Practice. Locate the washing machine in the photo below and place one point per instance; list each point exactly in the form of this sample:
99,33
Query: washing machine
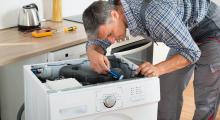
71,90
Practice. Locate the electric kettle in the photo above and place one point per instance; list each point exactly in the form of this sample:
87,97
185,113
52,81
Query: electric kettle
28,18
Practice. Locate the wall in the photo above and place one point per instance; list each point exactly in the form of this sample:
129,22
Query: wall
217,1
10,9
69,7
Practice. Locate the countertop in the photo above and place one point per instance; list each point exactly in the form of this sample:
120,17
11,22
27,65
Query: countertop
15,45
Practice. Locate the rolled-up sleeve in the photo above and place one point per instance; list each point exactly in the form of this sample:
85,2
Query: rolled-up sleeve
165,26
102,43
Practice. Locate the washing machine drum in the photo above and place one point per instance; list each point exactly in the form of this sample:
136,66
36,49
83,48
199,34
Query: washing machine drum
86,76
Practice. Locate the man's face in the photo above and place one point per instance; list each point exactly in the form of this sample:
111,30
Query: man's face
113,30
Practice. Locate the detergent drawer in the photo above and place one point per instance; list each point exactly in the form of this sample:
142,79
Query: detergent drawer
50,95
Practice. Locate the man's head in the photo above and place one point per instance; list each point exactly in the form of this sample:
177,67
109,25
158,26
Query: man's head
103,20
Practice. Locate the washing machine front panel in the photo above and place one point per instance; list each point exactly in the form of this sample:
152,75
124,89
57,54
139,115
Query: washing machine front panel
104,99
113,117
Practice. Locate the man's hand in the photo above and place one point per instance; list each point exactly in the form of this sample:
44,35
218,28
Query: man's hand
98,61
174,63
148,70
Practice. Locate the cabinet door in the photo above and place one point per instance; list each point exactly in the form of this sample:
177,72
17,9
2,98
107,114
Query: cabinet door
12,86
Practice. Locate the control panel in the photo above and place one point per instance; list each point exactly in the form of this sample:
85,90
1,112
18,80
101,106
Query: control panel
136,93
118,97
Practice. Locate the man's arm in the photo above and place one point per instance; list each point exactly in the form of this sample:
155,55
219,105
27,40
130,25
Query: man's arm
165,26
97,48
95,52
172,64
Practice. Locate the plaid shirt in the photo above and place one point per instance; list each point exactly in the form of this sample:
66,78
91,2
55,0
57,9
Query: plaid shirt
167,21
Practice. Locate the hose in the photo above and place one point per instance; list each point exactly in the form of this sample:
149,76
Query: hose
20,111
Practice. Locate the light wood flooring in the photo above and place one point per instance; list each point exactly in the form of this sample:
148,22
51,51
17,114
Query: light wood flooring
188,105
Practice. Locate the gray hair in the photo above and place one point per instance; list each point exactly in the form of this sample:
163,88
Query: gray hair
95,15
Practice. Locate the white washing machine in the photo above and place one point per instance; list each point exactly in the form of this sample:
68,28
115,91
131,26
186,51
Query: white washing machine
132,98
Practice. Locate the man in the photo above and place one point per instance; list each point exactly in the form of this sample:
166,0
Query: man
189,27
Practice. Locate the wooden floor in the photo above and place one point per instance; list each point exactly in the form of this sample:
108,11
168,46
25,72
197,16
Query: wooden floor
188,105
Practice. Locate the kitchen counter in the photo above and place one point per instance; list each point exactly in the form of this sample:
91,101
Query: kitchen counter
15,45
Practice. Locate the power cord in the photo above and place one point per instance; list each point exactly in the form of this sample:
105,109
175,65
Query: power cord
20,111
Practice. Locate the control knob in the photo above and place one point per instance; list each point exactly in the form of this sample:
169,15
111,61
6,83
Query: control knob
109,101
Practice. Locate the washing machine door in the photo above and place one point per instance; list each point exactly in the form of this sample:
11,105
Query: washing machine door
137,52
113,117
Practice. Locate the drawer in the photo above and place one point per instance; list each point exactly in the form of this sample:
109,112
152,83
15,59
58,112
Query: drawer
74,52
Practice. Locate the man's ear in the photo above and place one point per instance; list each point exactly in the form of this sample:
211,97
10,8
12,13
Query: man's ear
114,14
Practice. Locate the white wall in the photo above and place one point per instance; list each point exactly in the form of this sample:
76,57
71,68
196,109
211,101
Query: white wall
216,1
9,9
160,52
69,7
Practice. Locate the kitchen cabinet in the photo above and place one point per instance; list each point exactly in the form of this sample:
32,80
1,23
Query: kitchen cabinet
12,86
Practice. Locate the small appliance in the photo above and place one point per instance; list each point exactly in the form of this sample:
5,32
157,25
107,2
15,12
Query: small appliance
28,18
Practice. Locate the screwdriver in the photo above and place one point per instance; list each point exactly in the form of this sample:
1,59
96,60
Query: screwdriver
69,29
115,75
